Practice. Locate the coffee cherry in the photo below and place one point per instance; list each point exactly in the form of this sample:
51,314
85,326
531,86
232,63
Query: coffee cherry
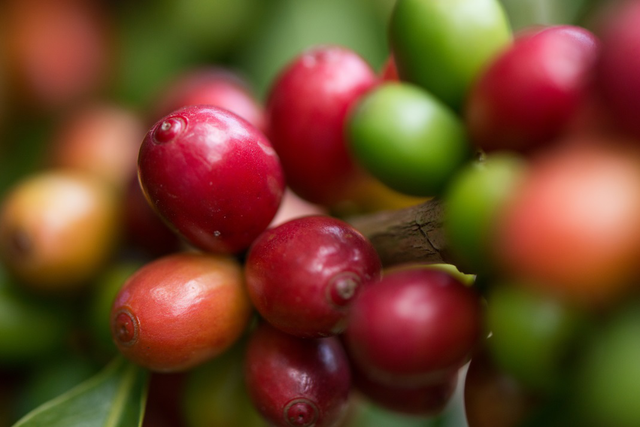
58,229
526,97
572,227
413,326
443,46
212,176
180,310
473,201
307,108
407,139
303,275
295,382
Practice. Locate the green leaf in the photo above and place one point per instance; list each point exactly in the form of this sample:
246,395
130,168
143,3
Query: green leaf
115,397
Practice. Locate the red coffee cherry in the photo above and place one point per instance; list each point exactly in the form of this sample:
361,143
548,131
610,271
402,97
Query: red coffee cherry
307,109
180,310
296,382
530,92
413,326
303,275
212,176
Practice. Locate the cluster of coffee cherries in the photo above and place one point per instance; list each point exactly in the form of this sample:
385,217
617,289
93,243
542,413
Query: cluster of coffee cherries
264,301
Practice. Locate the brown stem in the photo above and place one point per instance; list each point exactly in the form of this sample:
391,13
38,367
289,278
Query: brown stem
408,235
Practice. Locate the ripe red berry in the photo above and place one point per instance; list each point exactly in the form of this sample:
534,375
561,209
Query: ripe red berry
296,382
413,326
303,275
307,109
181,310
530,92
214,177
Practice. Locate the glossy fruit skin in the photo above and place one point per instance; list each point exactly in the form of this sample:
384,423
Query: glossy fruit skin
442,46
180,310
413,326
584,200
213,176
295,382
473,200
303,275
58,228
216,86
407,139
306,108
527,96
618,66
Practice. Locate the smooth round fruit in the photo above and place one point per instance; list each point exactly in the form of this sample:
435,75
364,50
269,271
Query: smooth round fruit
443,45
296,382
307,108
573,228
214,177
407,139
303,275
527,96
180,310
58,229
413,326
473,200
